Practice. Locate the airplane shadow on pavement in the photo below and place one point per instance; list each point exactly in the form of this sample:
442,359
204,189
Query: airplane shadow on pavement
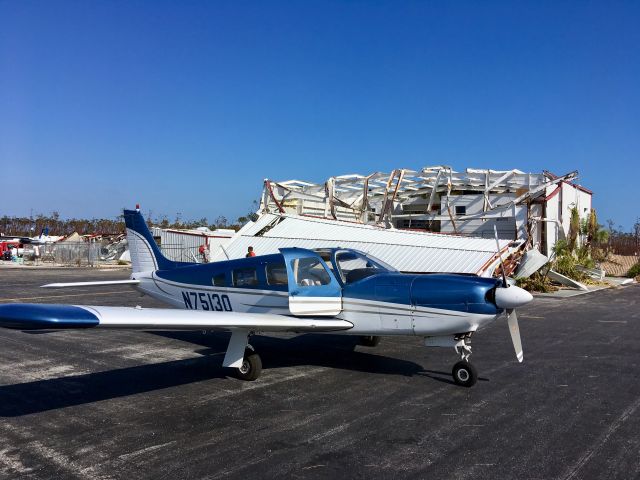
332,351
322,350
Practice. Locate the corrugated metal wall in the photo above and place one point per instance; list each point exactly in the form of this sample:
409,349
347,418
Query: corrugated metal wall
184,246
406,251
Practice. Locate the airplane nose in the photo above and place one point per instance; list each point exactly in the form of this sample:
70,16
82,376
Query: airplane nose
512,297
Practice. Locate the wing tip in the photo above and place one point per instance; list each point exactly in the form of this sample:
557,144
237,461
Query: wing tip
38,316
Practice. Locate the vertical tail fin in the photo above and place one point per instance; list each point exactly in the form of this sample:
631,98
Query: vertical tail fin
145,254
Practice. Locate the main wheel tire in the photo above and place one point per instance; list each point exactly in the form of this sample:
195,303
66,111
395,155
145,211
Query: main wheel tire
370,341
251,366
464,374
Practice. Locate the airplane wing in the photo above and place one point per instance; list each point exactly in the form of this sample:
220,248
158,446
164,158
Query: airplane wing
34,316
91,284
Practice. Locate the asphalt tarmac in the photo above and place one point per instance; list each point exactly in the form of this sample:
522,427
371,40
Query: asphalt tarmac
120,404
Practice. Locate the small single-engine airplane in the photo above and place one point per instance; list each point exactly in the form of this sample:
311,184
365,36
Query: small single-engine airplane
342,291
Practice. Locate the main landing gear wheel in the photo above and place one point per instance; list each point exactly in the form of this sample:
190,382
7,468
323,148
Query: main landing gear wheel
464,374
370,341
251,366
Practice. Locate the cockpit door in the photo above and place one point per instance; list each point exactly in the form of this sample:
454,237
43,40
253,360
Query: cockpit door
313,289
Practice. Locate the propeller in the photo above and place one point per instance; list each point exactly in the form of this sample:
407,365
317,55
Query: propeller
514,330
510,297
504,276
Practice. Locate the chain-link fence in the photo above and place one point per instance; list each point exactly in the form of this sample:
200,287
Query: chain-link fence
97,253
68,254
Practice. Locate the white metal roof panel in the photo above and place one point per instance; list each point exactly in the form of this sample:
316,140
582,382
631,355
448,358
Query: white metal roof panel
405,250
296,227
404,258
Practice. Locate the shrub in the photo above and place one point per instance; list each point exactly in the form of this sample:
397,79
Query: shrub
634,271
536,283
584,257
561,248
566,265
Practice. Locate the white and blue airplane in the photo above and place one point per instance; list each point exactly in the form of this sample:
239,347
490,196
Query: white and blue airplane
337,290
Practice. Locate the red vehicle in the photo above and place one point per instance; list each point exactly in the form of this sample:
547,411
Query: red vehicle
5,251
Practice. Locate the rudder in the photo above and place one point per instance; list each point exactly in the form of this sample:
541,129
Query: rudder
145,254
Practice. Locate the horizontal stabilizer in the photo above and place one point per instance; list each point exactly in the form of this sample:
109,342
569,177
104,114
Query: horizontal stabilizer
91,284
26,316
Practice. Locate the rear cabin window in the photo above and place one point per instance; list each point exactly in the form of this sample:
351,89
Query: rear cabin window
277,274
245,277
219,280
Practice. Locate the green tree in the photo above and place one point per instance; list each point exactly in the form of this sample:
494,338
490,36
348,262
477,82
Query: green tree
574,229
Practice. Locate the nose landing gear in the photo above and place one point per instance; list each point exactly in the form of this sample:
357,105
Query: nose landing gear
464,374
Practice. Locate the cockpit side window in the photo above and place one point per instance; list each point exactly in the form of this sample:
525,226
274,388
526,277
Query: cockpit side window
355,266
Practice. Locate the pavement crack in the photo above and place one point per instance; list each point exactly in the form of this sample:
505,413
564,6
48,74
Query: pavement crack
576,467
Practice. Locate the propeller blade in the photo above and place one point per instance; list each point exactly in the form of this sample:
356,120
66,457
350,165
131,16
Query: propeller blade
514,330
504,276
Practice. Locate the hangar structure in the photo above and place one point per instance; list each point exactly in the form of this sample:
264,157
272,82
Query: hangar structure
406,250
530,208
184,245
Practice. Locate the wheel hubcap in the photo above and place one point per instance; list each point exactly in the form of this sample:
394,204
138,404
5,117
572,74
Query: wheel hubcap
463,375
244,369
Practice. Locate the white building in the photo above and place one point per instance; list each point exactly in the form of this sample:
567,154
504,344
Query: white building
556,208
184,245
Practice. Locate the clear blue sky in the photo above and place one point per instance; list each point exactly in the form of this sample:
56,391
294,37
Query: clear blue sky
186,106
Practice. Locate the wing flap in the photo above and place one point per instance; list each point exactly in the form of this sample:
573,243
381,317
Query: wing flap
48,316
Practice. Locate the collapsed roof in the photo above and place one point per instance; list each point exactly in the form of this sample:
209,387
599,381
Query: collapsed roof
371,198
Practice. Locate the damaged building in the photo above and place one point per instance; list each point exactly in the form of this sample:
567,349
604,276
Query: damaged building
432,220
533,208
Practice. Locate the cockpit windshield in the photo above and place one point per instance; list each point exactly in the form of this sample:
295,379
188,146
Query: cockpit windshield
354,266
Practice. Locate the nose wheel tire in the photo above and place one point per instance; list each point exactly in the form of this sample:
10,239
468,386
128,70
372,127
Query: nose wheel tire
464,374
251,366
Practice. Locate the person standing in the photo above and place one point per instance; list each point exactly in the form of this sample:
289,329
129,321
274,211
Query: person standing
250,252
204,253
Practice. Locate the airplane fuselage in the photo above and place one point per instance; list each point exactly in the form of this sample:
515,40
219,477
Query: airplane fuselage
388,303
